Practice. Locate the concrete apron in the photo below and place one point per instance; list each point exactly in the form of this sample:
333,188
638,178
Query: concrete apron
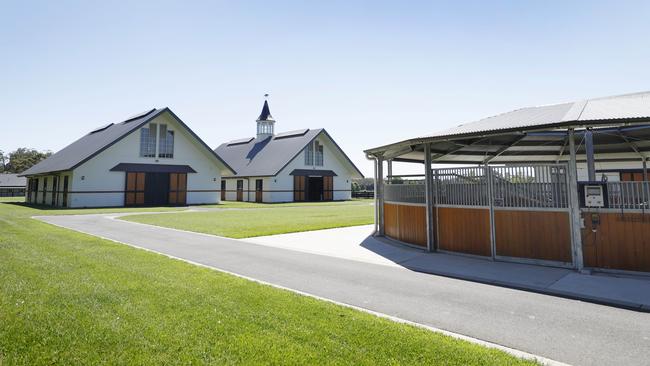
355,243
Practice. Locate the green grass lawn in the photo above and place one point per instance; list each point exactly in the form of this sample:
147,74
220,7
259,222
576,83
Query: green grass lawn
69,298
269,220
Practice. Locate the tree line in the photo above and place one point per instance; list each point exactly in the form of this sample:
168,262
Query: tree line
21,159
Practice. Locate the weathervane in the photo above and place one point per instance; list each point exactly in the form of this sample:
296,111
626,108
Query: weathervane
266,95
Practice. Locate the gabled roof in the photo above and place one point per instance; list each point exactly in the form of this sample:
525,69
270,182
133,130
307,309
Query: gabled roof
98,140
633,107
268,156
11,180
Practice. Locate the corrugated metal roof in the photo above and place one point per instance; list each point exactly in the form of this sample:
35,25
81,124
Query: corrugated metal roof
619,107
636,105
525,117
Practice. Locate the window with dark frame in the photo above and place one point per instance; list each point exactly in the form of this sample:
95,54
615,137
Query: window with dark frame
166,142
319,153
148,141
309,154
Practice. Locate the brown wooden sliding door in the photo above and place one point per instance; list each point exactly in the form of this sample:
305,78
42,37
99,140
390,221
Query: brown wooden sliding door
259,190
240,190
134,189
299,187
328,188
177,188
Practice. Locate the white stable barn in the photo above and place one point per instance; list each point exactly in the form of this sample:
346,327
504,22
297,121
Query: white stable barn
301,165
150,159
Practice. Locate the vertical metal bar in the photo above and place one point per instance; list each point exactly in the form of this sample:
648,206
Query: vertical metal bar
436,202
428,182
574,204
644,184
389,164
488,174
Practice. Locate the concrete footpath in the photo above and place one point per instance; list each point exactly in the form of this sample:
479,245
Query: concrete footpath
355,243
560,329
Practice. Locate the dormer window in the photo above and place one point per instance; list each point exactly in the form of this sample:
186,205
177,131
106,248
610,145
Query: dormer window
148,141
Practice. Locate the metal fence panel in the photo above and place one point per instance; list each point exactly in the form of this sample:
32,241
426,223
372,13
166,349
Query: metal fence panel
629,195
533,186
408,193
461,186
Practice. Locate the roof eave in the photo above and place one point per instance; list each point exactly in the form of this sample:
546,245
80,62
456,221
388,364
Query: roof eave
378,151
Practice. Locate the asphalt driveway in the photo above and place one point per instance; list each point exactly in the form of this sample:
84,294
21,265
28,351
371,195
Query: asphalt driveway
561,329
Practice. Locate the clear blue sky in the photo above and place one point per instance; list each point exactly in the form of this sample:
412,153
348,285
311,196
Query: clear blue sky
369,72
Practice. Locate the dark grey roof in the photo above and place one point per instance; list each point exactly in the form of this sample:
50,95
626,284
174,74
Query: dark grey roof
152,168
268,156
100,139
266,113
11,180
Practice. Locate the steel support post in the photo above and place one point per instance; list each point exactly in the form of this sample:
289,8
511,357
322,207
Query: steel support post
379,192
574,205
589,150
389,167
376,197
428,188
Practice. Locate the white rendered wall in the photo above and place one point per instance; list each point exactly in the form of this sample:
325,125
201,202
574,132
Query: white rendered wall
332,160
95,174
231,187
611,176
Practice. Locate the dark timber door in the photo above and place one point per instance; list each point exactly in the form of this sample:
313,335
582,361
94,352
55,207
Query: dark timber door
156,191
240,190
259,185
134,195
223,189
315,188
299,187
44,190
64,203
177,188
328,188
55,188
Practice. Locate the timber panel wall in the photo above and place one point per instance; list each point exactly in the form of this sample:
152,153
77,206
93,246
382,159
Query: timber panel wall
464,230
544,235
621,241
406,223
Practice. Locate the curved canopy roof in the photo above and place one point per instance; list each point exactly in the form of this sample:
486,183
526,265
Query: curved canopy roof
620,125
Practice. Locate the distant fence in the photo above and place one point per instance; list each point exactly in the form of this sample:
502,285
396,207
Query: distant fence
12,192
363,194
